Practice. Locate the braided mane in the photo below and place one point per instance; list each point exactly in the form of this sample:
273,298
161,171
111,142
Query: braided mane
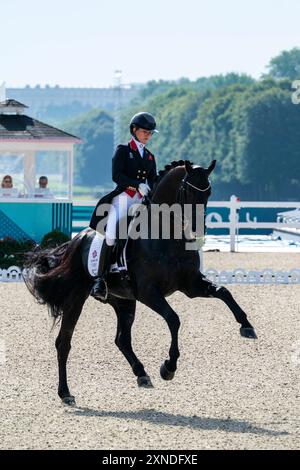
170,167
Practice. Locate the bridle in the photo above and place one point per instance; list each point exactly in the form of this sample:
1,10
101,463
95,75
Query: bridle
181,196
198,189
182,188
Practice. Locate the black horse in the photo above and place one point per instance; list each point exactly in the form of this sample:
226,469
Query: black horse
156,267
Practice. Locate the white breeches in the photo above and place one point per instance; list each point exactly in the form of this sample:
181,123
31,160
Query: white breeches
120,205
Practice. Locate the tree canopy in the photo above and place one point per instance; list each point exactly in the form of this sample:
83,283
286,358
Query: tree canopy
286,65
93,157
251,127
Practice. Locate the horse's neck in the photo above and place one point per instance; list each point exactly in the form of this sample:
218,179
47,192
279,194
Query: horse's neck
167,188
165,194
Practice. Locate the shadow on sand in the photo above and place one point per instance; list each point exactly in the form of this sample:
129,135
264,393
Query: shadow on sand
166,419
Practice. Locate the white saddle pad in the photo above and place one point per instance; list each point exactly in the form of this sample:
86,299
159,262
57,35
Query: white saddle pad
94,257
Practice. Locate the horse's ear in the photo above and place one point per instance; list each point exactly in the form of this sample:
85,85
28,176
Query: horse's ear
211,167
188,166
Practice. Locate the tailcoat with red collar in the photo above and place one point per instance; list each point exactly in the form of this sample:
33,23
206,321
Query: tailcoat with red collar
129,169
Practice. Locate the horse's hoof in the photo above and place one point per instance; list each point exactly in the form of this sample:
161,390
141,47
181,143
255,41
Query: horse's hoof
248,333
165,373
144,382
70,400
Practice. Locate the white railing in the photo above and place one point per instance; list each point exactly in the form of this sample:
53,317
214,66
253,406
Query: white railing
11,274
233,224
237,276
289,216
242,276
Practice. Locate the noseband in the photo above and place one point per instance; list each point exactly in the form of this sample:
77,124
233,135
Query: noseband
198,189
183,187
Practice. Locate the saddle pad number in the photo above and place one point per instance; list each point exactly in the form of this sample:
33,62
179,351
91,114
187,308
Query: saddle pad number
94,255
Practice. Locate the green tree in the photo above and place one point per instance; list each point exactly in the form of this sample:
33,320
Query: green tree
250,127
93,157
286,65
269,154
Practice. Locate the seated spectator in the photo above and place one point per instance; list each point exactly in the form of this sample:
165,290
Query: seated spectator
7,189
42,190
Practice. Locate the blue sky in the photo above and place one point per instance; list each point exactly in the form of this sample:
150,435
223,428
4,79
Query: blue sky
81,43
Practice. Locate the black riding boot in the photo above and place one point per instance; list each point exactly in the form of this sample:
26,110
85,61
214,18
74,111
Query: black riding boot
99,289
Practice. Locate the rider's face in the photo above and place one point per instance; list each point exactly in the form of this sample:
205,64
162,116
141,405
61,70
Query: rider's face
143,135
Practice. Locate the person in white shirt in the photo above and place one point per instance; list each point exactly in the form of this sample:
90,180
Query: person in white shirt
42,190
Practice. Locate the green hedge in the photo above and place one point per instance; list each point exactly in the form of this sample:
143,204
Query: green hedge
13,252
53,239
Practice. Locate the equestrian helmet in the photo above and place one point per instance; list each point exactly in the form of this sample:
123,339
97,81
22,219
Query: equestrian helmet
144,121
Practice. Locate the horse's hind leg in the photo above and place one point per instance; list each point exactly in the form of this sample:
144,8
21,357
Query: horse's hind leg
63,346
246,329
125,310
202,287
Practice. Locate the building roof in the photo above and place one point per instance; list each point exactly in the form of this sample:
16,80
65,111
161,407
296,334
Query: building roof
18,127
12,103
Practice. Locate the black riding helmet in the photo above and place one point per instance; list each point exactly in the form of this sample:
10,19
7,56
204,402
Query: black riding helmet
144,121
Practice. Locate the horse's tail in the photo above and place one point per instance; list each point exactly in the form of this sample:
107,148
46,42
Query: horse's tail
56,276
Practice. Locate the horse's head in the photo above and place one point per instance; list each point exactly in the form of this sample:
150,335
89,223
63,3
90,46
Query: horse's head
193,194
186,175
186,184
195,186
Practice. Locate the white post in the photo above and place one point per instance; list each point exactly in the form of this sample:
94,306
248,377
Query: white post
29,172
2,92
201,259
233,221
70,173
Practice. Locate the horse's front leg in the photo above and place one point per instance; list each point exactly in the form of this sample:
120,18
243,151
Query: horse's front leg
151,297
125,310
199,286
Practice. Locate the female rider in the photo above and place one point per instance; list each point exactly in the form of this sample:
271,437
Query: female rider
134,172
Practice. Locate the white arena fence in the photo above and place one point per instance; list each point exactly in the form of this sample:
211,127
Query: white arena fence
233,225
82,212
237,276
